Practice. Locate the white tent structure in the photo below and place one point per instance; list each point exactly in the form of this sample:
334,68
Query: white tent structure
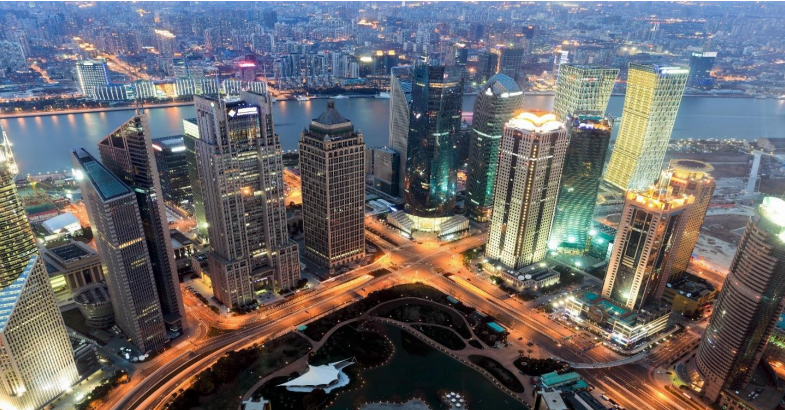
326,377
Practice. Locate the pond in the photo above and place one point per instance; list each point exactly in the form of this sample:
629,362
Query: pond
418,369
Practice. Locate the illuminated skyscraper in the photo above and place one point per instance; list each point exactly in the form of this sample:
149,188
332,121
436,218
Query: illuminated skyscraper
128,153
240,169
435,118
496,104
531,157
589,134
120,238
583,88
749,305
91,74
36,359
400,103
190,138
651,227
690,177
650,106
701,64
333,188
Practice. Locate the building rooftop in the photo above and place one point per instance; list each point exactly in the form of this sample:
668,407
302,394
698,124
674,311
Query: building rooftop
71,252
105,183
331,116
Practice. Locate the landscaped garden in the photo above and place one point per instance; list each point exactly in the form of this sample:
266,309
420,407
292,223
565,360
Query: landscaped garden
444,336
499,372
414,312
221,386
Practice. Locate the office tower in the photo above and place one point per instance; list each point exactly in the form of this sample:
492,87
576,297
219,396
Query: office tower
590,134
560,58
650,106
36,359
651,227
400,104
531,156
435,118
190,136
487,63
166,43
583,88
128,154
240,169
496,103
332,163
690,177
172,162
511,62
701,64
91,74
749,304
120,238
269,18
385,162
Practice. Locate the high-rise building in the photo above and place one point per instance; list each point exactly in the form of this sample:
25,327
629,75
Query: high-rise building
128,154
190,136
652,223
172,162
400,104
435,118
560,58
496,103
166,43
583,88
701,64
650,107
120,238
36,359
332,166
590,134
487,63
749,304
269,18
690,177
511,62
91,74
240,169
531,157
385,169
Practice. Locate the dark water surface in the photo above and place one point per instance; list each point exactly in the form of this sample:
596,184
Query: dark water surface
42,144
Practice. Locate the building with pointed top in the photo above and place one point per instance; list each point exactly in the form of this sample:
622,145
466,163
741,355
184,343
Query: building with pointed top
36,359
332,166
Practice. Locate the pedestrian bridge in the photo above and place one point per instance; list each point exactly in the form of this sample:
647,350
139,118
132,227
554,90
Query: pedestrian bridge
621,362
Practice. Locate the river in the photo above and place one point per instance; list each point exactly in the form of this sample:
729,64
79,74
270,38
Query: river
42,144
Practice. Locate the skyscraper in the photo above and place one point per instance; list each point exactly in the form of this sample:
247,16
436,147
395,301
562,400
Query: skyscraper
749,304
511,62
589,134
701,64
120,238
496,104
240,169
652,224
400,103
190,137
531,157
128,153
690,177
650,106
333,186
36,360
172,162
91,74
583,88
435,118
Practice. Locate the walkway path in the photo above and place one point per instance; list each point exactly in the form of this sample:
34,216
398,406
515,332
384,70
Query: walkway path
627,360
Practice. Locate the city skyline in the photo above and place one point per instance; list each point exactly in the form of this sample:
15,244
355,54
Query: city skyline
334,205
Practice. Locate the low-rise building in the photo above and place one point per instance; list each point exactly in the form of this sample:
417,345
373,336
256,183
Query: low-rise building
534,277
95,305
689,295
183,249
71,267
623,326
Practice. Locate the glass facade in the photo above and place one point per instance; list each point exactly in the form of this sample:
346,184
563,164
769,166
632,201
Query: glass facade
701,64
589,134
581,87
435,118
496,103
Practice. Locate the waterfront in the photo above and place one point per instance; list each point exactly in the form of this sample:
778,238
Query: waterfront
42,144
418,369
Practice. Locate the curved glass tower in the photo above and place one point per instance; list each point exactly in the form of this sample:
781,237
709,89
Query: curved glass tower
749,305
435,118
496,103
